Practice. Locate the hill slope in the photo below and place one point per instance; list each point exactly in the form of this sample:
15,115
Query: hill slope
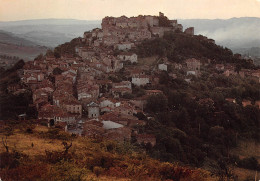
10,38
39,154
49,32
12,45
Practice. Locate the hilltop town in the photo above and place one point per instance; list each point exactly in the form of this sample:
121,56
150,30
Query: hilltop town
141,80
83,98
102,90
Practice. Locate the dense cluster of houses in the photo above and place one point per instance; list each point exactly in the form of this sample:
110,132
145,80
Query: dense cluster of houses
70,89
124,33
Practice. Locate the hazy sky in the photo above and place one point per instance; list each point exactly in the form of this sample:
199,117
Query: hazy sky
11,10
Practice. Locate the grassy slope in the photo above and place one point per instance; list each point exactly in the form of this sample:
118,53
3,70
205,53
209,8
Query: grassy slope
128,165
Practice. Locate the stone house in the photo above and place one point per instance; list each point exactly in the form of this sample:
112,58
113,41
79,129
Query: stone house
193,64
229,70
48,112
40,93
123,46
139,102
112,64
62,125
120,134
153,92
110,40
93,129
180,27
127,56
93,110
220,67
119,92
65,117
177,66
162,67
140,80
87,53
191,72
125,109
108,102
246,103
189,31
86,91
104,86
123,84
146,139
73,107
54,114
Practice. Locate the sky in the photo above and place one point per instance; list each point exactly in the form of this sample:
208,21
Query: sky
13,10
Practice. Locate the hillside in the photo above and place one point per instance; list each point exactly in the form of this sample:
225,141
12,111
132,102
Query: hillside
37,153
12,45
180,98
178,47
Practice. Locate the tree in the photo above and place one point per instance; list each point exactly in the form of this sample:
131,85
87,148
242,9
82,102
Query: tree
57,71
49,52
157,103
4,141
39,57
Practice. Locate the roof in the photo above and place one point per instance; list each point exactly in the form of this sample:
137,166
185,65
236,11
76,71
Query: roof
127,53
145,136
93,104
154,91
192,60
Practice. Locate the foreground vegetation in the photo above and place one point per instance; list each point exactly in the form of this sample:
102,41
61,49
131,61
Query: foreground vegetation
193,124
34,152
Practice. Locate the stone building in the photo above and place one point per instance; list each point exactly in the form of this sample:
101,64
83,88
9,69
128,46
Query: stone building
193,64
127,56
162,67
189,31
140,80
93,110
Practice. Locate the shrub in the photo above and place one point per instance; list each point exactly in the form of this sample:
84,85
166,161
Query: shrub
98,170
11,159
249,163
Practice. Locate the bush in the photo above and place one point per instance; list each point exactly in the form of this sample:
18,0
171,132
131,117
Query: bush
11,159
98,171
249,163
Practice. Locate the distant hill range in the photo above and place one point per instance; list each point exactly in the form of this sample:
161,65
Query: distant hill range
12,45
49,32
239,34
